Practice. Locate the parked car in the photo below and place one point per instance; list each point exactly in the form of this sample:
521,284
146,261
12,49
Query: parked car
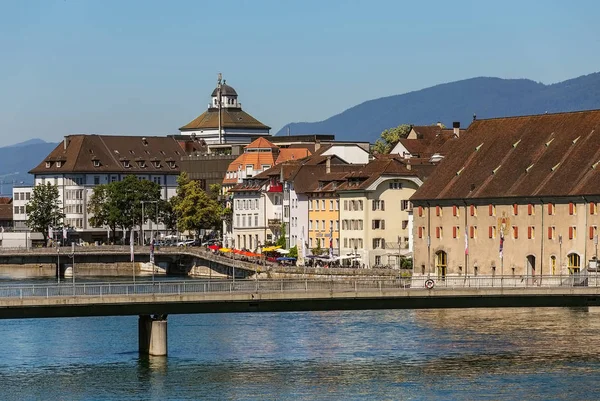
211,242
187,242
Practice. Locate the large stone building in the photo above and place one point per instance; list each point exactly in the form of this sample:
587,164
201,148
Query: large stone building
516,196
81,162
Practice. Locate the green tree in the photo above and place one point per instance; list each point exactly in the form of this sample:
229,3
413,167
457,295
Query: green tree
293,252
195,209
390,137
281,240
167,213
119,203
317,250
44,209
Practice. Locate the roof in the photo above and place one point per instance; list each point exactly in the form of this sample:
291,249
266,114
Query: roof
366,175
291,154
107,153
261,143
226,90
5,200
6,211
528,156
230,118
430,140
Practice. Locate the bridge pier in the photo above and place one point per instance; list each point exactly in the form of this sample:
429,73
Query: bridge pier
152,334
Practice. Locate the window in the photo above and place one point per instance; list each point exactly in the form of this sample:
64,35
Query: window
492,210
96,180
473,210
249,169
572,232
378,224
455,232
377,205
16,209
337,225
593,231
337,204
420,232
404,205
530,232
455,211
515,209
438,232
515,231
48,164
378,243
310,226
316,204
530,210
492,232
237,221
593,208
330,225
551,232
551,208
126,163
256,219
420,211
345,205
22,209
323,224
473,231
316,224
572,208
553,264
323,204
330,205
404,224
156,180
438,211
27,195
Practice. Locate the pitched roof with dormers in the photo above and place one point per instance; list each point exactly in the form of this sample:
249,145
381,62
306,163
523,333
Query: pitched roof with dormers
108,154
550,155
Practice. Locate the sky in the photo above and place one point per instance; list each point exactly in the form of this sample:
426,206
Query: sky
148,67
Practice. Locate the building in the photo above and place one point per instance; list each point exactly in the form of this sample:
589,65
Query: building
81,162
429,141
6,213
515,196
375,211
225,122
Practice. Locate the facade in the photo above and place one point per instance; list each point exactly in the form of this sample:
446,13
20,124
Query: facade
21,196
225,122
375,211
81,162
518,196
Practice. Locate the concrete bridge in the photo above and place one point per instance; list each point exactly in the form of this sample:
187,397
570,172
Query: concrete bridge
153,302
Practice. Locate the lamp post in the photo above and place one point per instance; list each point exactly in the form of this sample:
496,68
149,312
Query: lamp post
355,256
155,219
560,253
58,262
72,256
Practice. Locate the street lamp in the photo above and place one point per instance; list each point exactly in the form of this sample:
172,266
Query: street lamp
58,263
151,233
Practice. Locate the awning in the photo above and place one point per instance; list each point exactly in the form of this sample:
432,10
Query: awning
214,247
282,251
225,250
270,248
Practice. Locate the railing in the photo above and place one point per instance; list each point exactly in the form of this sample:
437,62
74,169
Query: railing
583,279
99,290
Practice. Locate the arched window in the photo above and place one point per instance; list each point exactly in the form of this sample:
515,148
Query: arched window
574,263
553,264
441,263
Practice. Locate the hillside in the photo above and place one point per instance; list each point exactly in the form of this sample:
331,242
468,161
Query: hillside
16,160
457,101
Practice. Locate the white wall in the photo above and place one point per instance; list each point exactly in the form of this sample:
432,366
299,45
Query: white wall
352,154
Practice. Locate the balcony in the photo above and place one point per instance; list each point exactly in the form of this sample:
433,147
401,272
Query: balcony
274,222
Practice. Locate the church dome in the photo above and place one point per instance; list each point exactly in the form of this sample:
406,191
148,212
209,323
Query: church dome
226,90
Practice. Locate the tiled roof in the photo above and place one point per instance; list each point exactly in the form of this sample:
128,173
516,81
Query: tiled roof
5,200
256,159
286,154
369,173
261,143
528,156
108,153
6,212
230,118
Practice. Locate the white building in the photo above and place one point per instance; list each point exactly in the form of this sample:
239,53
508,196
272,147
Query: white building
81,162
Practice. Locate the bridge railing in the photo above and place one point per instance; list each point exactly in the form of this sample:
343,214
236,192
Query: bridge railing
286,285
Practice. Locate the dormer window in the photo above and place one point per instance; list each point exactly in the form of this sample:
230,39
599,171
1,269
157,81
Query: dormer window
142,164
59,164
156,163
48,164
96,163
172,164
126,163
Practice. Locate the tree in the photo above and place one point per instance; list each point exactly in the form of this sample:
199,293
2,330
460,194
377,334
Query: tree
195,209
293,252
44,209
103,209
167,213
281,240
119,203
390,137
318,250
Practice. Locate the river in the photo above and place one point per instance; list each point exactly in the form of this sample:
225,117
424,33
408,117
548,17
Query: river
495,354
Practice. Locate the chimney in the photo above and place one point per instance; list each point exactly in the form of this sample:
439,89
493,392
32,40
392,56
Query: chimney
456,127
408,166
66,141
474,117
439,124
328,165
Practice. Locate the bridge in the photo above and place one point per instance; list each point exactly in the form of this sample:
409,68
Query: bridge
153,302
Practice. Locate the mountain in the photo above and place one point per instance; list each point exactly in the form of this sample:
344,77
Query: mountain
16,160
456,101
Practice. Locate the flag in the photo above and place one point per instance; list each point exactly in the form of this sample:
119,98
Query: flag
152,250
466,240
64,233
331,244
131,244
501,244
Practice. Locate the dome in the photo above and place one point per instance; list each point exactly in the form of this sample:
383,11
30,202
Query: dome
226,90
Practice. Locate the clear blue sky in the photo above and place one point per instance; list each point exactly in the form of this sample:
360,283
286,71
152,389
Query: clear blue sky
148,67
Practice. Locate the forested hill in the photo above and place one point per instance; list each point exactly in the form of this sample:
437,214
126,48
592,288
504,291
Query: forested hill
456,101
